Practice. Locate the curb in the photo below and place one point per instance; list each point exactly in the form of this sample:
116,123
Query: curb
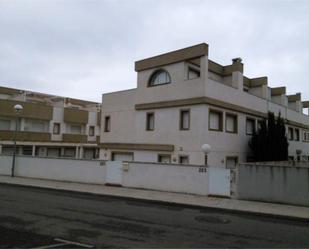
167,203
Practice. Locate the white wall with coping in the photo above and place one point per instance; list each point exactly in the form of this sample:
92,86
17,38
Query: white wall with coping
5,165
84,171
166,177
274,183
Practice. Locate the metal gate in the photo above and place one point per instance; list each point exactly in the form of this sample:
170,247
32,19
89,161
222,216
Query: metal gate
114,173
219,182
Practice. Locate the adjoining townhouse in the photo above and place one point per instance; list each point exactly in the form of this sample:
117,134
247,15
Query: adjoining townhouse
184,100
48,126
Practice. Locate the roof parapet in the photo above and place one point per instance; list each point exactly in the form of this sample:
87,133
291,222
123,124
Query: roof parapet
305,104
278,91
255,82
172,57
10,91
226,70
294,97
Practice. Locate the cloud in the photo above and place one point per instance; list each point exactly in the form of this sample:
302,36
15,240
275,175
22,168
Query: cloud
85,48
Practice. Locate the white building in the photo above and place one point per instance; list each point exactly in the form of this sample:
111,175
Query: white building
48,125
184,100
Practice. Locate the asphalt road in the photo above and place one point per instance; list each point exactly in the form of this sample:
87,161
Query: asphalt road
31,217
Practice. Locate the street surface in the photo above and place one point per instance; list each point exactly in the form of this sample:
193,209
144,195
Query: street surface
34,218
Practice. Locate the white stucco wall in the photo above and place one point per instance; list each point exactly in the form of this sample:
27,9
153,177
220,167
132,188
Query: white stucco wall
174,178
273,183
84,171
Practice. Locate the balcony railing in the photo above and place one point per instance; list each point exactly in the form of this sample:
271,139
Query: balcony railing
74,138
25,136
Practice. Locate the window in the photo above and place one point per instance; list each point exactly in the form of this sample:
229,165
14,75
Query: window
290,133
27,150
296,131
56,129
304,136
164,158
231,162
53,152
69,152
76,129
193,73
184,119
215,120
5,124
150,121
159,77
184,159
259,124
91,131
107,124
250,126
231,123
35,125
9,150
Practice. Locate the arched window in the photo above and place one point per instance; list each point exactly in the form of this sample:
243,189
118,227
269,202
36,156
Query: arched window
159,77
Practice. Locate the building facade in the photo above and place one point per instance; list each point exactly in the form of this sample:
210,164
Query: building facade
48,126
184,100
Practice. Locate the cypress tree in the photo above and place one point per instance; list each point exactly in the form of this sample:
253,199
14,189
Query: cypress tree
269,142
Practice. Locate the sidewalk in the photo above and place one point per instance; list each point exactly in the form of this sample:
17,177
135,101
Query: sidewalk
286,211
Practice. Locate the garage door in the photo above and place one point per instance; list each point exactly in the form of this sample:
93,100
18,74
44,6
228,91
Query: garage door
122,156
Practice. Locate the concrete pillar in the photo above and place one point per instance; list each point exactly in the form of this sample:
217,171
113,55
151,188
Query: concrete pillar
298,106
81,150
284,100
33,150
238,80
204,67
62,151
77,152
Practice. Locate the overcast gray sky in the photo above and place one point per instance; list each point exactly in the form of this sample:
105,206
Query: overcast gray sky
85,48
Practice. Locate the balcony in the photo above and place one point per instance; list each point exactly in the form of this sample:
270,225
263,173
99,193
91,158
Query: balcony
25,136
74,138
31,110
75,116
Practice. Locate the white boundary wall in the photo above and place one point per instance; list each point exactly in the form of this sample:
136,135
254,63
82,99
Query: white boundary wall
191,179
84,171
274,182
166,177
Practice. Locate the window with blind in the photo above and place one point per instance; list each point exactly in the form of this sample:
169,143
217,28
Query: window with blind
91,131
296,131
56,128
36,125
193,73
231,123
76,129
164,158
215,120
184,159
159,77
250,126
107,124
290,133
184,119
5,124
150,119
